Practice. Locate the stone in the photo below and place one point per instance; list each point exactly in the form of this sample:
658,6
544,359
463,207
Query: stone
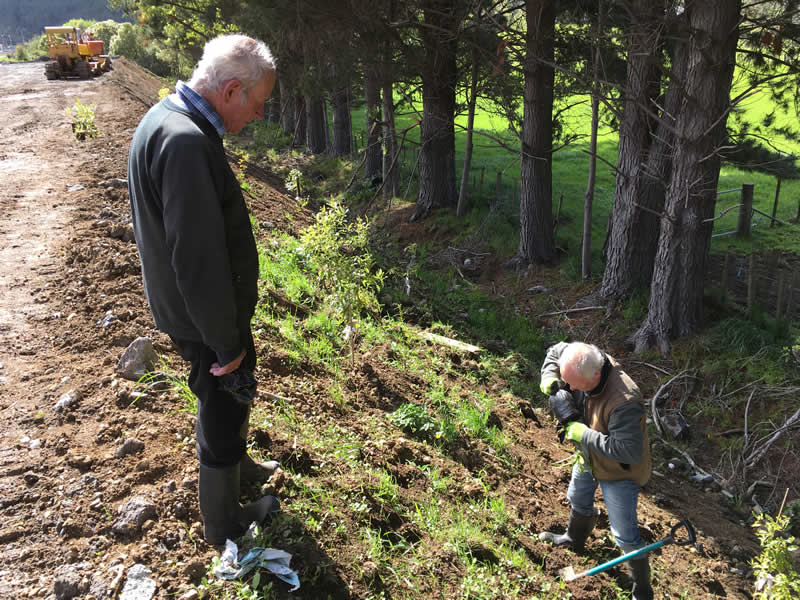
133,514
129,447
67,400
121,231
138,585
107,320
67,583
195,571
169,487
114,182
138,359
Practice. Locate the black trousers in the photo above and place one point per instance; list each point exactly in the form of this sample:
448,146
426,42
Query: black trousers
219,415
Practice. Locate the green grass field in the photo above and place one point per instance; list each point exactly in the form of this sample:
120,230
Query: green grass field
570,171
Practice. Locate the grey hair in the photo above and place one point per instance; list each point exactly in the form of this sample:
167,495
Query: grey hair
232,57
585,359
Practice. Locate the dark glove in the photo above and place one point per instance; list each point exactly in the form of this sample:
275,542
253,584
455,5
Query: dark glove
241,385
563,407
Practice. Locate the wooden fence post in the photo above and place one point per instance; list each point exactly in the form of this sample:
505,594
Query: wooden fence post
775,204
790,296
745,210
499,185
724,278
751,287
779,294
480,189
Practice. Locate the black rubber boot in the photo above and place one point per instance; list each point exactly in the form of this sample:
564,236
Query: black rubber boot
223,516
579,528
640,573
252,472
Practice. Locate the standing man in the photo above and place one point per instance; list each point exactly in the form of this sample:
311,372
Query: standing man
200,263
608,423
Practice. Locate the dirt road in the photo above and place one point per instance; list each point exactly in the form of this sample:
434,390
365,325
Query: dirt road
65,263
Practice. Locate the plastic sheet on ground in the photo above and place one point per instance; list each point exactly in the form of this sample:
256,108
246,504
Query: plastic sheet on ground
234,565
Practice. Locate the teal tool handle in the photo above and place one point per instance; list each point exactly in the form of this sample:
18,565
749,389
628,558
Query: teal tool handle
624,557
670,539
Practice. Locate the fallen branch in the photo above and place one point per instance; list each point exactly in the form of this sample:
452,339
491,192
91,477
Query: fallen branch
689,460
284,301
759,453
654,401
277,398
572,310
446,341
659,369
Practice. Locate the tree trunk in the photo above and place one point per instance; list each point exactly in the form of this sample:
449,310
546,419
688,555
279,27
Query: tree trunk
676,292
437,164
536,243
299,120
316,130
643,159
342,123
390,166
287,108
372,91
272,109
586,254
463,194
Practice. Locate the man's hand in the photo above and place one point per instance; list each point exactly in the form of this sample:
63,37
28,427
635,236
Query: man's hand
574,431
216,370
549,385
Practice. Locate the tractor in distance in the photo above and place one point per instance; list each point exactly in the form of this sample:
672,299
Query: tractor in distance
74,54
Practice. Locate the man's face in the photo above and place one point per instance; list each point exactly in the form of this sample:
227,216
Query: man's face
238,107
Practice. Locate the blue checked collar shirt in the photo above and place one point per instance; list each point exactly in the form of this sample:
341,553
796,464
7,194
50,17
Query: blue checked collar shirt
186,97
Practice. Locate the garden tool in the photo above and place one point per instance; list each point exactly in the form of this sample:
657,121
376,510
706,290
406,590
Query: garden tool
568,573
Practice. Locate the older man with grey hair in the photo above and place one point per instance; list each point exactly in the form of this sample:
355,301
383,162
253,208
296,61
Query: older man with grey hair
200,263
602,412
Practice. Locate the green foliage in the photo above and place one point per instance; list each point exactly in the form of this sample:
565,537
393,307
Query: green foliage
774,567
128,41
140,44
82,24
284,266
342,261
82,116
269,136
105,30
415,420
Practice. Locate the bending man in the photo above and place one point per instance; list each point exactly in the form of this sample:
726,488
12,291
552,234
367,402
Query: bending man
608,423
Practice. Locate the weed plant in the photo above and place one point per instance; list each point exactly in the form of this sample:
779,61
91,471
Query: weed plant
82,116
776,577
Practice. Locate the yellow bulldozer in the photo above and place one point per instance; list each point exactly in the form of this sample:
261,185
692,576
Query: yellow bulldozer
74,54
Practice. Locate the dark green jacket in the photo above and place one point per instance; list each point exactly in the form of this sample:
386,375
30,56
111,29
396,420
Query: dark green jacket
199,258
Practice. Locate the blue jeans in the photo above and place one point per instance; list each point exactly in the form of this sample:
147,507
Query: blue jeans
620,498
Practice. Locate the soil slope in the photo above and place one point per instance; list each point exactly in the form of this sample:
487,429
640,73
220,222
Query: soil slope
71,301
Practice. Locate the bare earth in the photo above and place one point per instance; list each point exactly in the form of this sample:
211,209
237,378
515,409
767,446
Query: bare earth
66,260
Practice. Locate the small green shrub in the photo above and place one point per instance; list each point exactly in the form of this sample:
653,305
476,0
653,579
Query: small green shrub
414,419
82,116
343,263
776,577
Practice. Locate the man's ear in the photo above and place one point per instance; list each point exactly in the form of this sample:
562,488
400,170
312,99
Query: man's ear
230,89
